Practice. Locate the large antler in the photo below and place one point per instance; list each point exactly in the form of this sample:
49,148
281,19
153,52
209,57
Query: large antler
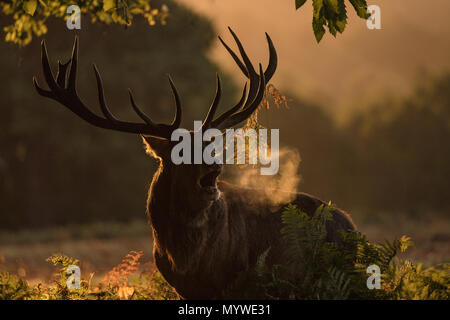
258,83
63,90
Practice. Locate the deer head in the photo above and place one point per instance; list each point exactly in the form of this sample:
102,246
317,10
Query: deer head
199,180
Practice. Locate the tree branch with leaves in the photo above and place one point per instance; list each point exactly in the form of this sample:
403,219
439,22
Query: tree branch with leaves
30,16
332,14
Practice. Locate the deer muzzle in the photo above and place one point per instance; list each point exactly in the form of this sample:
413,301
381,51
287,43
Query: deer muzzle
208,182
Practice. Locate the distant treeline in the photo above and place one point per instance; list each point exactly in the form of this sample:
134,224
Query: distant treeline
55,169
392,156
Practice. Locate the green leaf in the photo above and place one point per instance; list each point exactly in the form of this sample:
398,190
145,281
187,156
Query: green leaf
29,6
109,4
318,28
342,16
360,8
318,6
333,4
299,3
318,20
332,29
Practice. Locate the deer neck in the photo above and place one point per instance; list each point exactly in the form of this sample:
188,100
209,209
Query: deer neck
170,209
183,233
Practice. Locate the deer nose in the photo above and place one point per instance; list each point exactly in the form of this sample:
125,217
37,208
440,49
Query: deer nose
215,167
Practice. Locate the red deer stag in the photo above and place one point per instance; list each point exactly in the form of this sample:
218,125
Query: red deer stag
205,231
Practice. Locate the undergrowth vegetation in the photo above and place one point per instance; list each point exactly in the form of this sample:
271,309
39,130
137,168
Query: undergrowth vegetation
313,269
316,269
130,280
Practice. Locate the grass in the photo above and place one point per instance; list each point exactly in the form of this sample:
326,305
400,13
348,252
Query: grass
100,248
130,279
431,233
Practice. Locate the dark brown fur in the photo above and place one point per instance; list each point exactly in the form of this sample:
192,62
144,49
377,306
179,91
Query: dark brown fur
200,246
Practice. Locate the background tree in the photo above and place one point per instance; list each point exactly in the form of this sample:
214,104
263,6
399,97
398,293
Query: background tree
28,17
31,16
391,156
55,169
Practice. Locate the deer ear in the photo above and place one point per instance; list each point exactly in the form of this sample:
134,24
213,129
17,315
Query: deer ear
155,146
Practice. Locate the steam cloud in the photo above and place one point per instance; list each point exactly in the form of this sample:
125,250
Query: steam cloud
275,189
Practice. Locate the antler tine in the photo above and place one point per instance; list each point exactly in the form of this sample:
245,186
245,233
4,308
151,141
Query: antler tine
48,74
67,96
247,62
138,111
71,83
214,105
62,72
42,92
273,60
247,67
273,56
177,119
228,113
101,94
257,83
235,57
251,73
247,112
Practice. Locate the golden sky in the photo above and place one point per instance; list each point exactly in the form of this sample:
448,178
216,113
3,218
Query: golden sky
343,73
